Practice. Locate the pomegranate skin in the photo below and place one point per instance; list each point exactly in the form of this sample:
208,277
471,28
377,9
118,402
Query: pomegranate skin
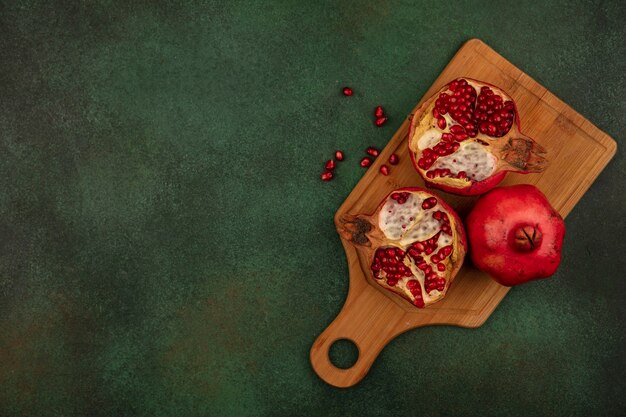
501,216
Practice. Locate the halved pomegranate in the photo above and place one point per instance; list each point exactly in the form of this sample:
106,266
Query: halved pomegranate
466,138
414,243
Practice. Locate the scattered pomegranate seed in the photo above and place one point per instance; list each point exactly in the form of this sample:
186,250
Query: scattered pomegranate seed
372,151
394,159
347,91
339,155
381,121
365,162
330,165
379,112
326,176
384,169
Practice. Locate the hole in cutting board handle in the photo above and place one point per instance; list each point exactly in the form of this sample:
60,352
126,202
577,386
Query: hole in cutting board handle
343,353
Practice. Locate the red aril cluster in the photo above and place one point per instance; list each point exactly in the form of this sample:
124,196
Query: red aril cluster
330,166
373,153
380,117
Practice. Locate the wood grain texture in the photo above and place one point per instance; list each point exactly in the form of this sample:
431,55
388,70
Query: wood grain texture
372,316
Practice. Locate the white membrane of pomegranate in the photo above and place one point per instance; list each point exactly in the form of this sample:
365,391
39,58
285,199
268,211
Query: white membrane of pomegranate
472,158
418,223
423,226
429,139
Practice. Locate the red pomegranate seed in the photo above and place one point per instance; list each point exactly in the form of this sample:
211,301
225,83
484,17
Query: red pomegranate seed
441,122
380,121
379,112
365,162
330,165
372,151
326,176
419,300
347,91
394,159
384,169
339,155
456,129
412,284
429,203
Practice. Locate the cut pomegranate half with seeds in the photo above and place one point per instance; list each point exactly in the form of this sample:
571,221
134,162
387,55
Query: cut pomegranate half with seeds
414,243
466,138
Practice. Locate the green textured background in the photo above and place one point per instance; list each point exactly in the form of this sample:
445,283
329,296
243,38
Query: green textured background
166,245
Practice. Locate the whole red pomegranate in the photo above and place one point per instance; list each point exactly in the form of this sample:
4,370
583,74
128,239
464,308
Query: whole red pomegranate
515,235
414,243
466,138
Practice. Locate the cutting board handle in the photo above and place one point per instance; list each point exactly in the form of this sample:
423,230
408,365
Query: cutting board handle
370,320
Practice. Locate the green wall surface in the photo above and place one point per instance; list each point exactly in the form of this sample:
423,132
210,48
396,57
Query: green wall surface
167,247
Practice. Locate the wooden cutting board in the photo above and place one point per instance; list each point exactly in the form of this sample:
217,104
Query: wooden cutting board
371,316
